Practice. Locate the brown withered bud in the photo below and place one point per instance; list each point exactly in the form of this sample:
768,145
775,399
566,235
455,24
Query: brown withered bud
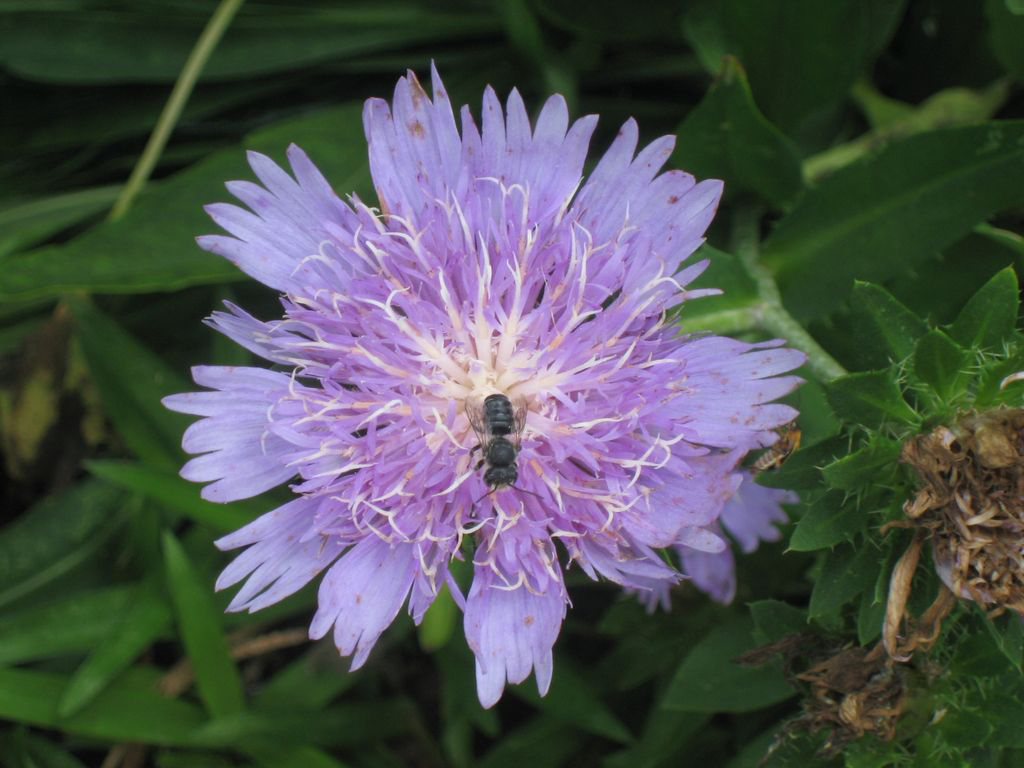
847,691
970,500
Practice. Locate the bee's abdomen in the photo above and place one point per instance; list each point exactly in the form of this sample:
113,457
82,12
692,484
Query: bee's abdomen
498,414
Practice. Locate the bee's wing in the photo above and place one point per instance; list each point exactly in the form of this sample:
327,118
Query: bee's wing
518,421
475,414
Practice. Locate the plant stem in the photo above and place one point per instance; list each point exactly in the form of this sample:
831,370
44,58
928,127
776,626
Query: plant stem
772,314
197,59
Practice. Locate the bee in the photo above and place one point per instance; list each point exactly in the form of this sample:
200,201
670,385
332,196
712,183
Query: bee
785,446
499,428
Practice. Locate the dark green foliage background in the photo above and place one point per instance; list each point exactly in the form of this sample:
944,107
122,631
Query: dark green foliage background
878,147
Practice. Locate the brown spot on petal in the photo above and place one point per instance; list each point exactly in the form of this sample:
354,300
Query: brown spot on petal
359,599
673,199
528,621
416,129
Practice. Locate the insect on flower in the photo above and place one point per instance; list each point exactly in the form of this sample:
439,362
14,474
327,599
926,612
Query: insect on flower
491,273
775,456
493,422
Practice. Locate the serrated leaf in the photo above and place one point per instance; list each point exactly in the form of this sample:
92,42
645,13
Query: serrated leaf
708,680
826,522
989,391
726,137
977,654
56,535
963,728
802,470
939,362
132,380
152,248
1009,637
846,573
990,317
1005,711
774,620
168,489
869,399
129,710
888,327
72,624
869,465
199,622
877,218
148,618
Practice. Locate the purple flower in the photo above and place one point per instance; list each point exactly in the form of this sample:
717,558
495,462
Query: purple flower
749,517
490,267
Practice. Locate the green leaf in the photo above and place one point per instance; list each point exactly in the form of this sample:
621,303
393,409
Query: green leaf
963,728
977,654
726,137
869,617
1008,634
846,573
129,710
288,757
152,248
827,521
72,624
20,748
1004,711
33,220
990,317
667,734
132,380
217,679
802,470
148,618
541,743
362,722
1006,30
709,680
892,119
888,327
91,43
871,465
802,55
572,700
774,620
877,218
439,622
869,399
56,535
730,310
312,681
177,495
939,362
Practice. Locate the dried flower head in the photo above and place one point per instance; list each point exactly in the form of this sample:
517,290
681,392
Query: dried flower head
971,500
490,268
